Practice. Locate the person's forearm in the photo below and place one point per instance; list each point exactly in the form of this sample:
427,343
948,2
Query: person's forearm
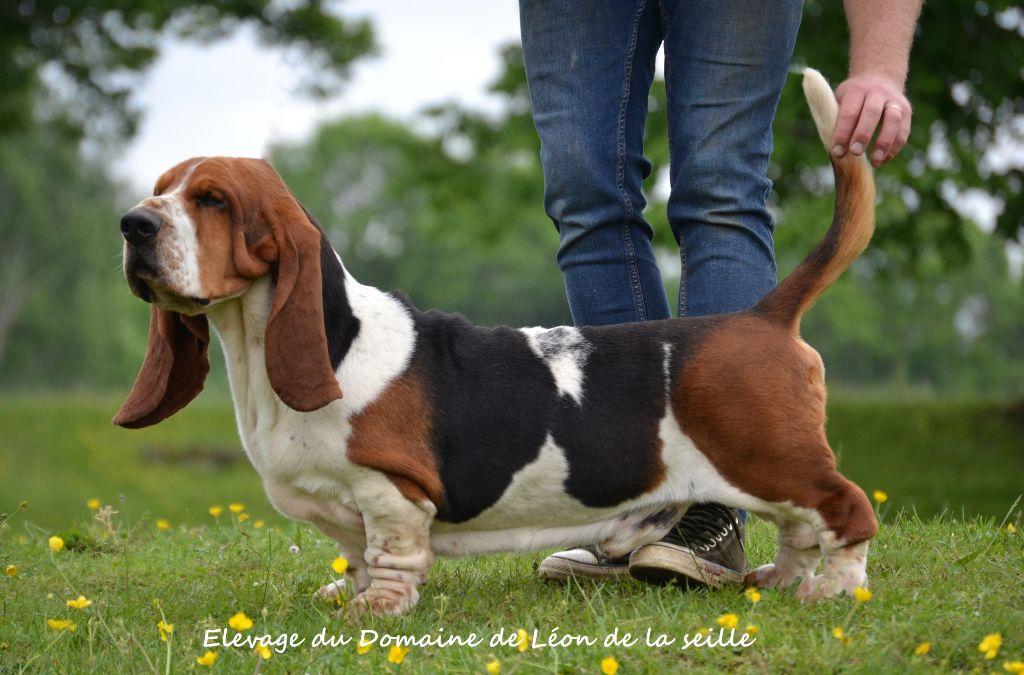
881,32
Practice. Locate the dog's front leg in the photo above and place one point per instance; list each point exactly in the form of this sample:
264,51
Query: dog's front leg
343,525
351,540
398,553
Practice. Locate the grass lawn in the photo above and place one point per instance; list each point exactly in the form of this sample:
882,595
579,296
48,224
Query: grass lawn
949,573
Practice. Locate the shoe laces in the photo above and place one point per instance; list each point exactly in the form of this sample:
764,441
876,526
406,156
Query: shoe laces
706,526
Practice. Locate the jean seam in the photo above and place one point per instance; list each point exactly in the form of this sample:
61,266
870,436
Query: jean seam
628,213
682,276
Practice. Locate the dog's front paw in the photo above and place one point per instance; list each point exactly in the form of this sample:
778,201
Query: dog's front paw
385,600
335,591
355,581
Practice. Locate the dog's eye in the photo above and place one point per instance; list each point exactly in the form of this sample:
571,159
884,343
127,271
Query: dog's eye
211,201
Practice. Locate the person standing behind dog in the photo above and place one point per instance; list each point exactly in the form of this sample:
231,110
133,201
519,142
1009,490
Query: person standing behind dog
589,67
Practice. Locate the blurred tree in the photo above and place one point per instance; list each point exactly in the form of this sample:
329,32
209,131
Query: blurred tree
463,233
94,53
968,133
452,214
435,199
64,315
966,85
67,70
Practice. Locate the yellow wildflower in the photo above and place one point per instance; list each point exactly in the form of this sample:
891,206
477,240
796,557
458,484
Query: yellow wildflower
728,621
258,524
609,665
240,622
263,651
1013,666
861,594
839,634
339,565
363,647
242,517
23,505
163,524
79,603
1010,529
61,624
753,595
922,649
493,666
207,659
397,654
990,645
880,496
216,510
751,629
93,504
10,570
165,629
56,544
236,507
522,640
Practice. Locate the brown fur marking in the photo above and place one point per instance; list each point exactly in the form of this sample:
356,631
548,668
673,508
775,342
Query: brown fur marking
752,398
393,435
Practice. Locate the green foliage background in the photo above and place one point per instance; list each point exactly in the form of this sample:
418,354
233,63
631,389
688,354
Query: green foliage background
453,216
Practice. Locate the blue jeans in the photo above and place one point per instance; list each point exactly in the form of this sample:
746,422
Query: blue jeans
590,65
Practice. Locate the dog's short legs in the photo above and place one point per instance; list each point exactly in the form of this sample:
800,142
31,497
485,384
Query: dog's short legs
351,544
797,557
343,525
848,524
845,570
398,553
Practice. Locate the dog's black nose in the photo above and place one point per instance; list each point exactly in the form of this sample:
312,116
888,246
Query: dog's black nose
139,226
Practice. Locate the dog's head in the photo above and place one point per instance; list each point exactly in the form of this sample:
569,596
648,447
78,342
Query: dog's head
211,229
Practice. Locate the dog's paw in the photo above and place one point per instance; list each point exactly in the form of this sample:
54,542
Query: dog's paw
335,590
769,576
818,587
384,601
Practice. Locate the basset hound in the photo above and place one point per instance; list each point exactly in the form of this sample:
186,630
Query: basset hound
403,434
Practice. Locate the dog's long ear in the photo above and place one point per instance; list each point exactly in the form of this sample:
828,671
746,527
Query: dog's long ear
174,370
297,357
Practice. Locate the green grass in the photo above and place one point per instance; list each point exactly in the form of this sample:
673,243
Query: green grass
948,573
944,581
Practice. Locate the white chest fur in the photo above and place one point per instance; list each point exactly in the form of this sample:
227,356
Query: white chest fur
301,456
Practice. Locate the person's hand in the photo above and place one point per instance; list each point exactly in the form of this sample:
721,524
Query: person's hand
864,102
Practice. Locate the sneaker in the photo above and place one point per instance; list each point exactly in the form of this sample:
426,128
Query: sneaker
705,548
587,563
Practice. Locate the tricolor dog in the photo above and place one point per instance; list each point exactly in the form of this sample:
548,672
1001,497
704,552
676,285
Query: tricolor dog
404,434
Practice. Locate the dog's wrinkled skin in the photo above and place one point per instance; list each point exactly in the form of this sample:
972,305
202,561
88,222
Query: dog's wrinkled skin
404,434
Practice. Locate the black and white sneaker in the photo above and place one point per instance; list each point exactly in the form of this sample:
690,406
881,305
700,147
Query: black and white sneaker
582,563
705,548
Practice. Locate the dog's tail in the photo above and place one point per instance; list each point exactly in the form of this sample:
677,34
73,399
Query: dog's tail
852,225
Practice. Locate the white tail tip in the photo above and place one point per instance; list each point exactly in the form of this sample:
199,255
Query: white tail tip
823,104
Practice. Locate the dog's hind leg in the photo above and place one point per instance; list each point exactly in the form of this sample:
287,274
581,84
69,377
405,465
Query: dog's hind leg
848,524
797,557
838,528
